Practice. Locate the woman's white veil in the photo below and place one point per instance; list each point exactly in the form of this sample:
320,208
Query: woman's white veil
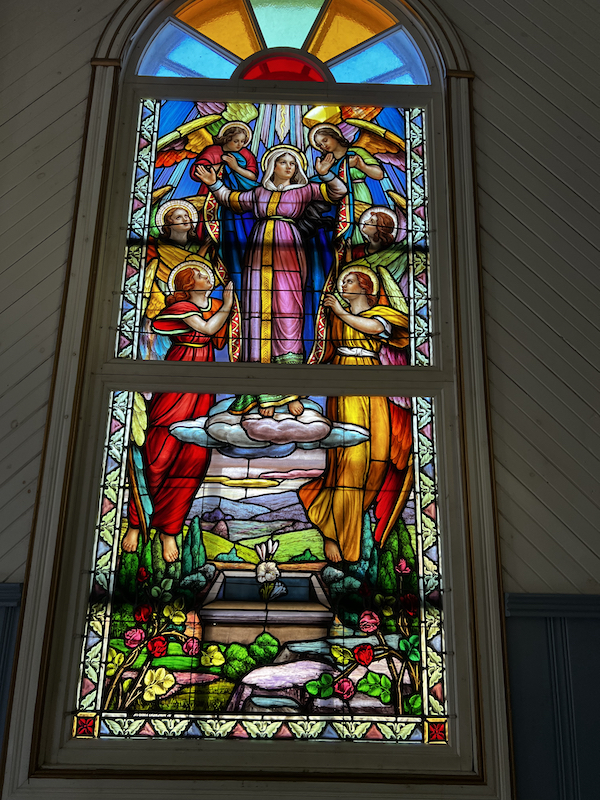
268,165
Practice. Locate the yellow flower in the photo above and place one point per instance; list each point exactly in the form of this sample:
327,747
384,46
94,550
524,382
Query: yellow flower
115,659
174,612
212,657
158,681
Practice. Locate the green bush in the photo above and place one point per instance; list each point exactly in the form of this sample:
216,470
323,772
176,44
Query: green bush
238,662
264,649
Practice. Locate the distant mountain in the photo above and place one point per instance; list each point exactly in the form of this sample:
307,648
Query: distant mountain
274,501
233,509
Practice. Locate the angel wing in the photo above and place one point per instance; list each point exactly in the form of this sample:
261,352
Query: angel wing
395,491
186,141
376,139
138,489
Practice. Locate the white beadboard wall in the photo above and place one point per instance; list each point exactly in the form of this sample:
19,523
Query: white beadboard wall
537,124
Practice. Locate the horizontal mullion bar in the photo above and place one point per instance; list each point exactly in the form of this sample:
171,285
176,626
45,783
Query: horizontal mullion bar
300,92
252,378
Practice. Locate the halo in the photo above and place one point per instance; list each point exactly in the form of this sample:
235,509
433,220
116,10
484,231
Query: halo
382,210
287,148
202,265
162,210
365,270
236,124
313,132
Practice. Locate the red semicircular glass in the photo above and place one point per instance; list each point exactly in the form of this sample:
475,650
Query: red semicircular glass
282,68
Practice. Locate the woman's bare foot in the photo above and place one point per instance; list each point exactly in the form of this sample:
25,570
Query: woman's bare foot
169,548
266,412
332,551
130,540
295,407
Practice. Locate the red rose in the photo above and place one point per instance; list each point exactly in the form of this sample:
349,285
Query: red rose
364,654
157,647
410,604
142,575
133,637
143,613
344,687
369,622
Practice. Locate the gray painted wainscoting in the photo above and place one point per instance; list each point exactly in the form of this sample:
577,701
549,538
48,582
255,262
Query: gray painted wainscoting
553,644
10,602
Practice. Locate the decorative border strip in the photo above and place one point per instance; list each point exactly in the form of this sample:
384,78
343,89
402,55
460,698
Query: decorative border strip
139,216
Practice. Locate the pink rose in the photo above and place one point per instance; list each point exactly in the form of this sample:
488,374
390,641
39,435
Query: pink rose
133,637
191,647
344,687
369,622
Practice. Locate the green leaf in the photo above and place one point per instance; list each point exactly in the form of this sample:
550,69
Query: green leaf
385,697
313,687
435,705
166,584
326,679
386,682
414,704
363,685
327,692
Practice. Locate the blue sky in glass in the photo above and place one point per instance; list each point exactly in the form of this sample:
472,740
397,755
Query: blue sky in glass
175,53
393,59
286,23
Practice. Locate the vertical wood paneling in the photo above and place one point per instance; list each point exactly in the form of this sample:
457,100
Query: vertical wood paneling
45,80
536,120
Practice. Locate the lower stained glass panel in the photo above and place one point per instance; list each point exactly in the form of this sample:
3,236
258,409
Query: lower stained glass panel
266,566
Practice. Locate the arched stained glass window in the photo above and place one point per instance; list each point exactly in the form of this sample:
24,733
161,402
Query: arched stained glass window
357,40
270,494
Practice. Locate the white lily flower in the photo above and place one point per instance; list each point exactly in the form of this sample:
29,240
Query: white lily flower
267,571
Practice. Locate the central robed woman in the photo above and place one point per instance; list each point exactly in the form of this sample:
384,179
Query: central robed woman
275,262
378,472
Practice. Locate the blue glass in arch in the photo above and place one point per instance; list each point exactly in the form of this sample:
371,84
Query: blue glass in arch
173,52
394,58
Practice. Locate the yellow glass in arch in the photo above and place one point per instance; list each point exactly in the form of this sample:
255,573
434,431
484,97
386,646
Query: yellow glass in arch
347,23
226,22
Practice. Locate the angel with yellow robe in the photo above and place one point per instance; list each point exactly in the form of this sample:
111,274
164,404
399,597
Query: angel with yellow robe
378,473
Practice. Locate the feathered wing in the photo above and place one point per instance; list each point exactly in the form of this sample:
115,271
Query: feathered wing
186,141
376,139
138,488
398,483
191,138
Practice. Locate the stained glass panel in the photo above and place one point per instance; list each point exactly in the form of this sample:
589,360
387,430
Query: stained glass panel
392,59
286,23
346,24
174,52
275,573
227,22
287,203
282,68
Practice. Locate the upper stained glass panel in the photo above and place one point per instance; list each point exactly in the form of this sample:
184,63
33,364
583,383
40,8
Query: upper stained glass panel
393,58
345,24
227,22
286,23
301,230
175,52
